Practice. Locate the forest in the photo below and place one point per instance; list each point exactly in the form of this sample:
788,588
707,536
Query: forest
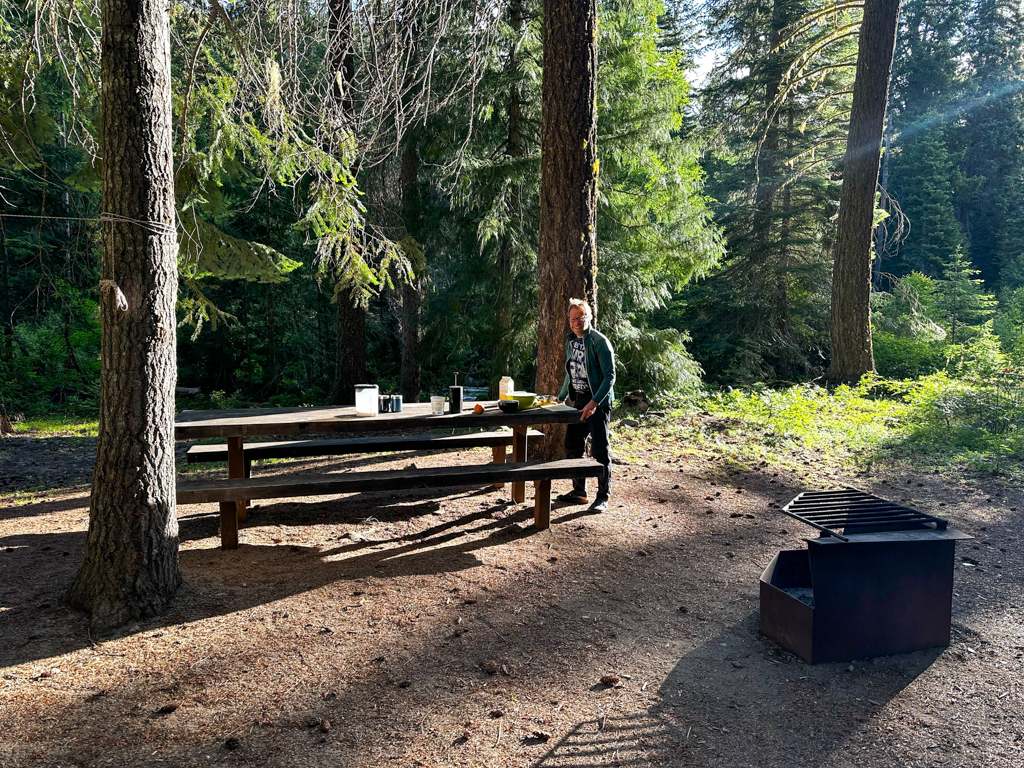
798,222
406,251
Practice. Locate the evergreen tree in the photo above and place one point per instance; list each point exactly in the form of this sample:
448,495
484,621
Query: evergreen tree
992,135
923,182
961,300
777,104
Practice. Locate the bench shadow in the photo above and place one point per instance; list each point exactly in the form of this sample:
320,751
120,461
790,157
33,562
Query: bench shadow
35,570
736,696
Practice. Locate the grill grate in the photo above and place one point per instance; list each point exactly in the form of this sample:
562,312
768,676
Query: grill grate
854,511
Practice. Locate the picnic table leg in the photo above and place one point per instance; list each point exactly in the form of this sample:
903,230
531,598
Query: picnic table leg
519,455
228,525
499,458
541,504
236,468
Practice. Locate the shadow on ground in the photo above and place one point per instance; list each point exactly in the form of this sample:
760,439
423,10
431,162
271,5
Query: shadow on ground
785,713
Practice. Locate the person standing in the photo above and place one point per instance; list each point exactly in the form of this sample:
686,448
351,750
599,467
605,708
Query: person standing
589,384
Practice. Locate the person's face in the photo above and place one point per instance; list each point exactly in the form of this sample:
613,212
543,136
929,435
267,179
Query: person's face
577,322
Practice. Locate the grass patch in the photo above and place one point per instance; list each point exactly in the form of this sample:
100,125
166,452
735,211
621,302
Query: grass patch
929,424
57,425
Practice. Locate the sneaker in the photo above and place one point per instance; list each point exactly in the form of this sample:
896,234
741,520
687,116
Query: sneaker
600,504
572,497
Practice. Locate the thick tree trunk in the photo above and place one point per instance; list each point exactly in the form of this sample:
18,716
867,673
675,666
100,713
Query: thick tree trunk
130,566
851,274
567,260
350,350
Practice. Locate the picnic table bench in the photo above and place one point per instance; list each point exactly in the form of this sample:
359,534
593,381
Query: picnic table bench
228,493
236,425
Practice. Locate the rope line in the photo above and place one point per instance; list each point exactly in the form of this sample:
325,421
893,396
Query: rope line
156,227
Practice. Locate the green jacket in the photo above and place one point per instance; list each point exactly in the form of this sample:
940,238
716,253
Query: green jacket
600,367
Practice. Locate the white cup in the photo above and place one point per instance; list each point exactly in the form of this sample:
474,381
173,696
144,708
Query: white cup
437,405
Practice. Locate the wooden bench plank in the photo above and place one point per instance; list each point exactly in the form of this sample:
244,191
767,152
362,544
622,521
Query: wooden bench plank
229,492
312,484
293,449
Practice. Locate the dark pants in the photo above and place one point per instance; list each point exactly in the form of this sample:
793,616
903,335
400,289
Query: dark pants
575,445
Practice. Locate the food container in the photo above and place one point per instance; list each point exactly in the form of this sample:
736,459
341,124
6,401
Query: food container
396,403
366,399
437,405
505,386
384,403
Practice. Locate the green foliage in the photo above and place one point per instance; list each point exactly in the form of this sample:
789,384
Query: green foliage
961,302
902,357
775,111
937,421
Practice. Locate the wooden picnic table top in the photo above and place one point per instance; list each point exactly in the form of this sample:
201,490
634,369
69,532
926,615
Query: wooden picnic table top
246,422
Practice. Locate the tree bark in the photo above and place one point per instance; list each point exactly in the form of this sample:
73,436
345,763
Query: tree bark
852,355
349,350
567,258
130,566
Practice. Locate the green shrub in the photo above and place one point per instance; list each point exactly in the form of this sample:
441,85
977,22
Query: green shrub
900,357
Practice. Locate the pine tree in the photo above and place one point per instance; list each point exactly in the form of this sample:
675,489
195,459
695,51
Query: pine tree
923,181
992,134
961,300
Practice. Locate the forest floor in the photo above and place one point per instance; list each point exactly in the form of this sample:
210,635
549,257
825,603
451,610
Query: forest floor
417,629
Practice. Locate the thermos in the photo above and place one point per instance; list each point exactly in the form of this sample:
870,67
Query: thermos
455,397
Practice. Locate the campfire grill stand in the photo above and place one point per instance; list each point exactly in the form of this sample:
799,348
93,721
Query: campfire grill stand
882,586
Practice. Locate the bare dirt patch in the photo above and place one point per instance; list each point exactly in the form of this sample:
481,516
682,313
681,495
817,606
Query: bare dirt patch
418,629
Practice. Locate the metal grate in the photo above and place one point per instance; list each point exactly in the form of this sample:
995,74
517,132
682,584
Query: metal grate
854,511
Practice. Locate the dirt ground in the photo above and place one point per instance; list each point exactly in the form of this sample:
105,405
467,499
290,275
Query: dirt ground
418,629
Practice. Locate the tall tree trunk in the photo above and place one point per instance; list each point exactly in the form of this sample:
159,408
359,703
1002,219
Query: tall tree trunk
851,274
412,290
350,350
567,259
130,566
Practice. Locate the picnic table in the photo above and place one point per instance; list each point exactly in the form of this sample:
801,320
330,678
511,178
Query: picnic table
237,424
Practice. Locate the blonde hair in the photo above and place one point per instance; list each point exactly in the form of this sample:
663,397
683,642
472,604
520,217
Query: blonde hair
588,314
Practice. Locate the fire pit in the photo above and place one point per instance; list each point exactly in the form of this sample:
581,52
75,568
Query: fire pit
878,580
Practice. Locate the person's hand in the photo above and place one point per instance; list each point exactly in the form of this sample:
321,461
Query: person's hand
588,410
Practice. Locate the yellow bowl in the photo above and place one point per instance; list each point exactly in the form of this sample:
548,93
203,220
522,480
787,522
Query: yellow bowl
525,399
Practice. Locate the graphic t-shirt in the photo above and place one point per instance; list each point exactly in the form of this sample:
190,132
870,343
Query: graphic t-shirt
578,367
